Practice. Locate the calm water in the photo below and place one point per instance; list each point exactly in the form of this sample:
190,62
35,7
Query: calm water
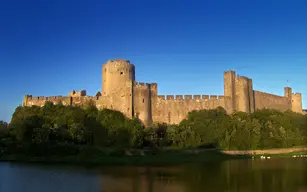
240,175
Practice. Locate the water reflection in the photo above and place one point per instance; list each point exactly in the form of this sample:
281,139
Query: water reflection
30,178
240,175
283,175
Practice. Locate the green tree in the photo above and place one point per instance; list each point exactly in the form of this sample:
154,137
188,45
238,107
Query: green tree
24,127
4,129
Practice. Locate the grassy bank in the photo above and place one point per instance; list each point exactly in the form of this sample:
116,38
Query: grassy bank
132,158
97,156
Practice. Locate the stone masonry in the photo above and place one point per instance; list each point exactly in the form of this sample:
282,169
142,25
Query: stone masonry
121,92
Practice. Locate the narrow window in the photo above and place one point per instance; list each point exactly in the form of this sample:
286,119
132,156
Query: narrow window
143,100
121,73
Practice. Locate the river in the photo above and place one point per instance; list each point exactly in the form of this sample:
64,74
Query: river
280,175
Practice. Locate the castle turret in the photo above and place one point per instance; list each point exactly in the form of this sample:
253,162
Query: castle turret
116,74
25,100
229,89
154,89
251,96
288,92
142,102
117,83
242,94
297,102
238,91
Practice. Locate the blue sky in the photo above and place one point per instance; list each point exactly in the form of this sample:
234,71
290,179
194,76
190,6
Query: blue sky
51,47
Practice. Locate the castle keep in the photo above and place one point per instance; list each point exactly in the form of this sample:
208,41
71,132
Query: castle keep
121,92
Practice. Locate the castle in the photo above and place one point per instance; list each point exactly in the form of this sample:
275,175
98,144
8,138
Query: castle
121,92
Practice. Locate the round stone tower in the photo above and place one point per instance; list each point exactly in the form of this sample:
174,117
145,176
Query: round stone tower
116,74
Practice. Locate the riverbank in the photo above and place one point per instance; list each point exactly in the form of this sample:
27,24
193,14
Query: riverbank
95,156
169,157
271,152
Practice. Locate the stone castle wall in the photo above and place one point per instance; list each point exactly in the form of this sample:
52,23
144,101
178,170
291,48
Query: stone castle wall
120,101
270,101
142,102
121,92
172,109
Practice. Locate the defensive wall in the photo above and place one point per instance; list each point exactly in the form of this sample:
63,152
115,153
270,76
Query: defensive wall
120,91
270,101
174,108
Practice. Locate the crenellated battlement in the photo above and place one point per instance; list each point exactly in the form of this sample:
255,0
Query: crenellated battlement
74,93
119,64
297,94
179,97
141,85
188,97
154,88
29,100
241,77
191,97
197,97
154,85
170,97
43,98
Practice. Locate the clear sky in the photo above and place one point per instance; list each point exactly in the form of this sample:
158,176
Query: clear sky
49,47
